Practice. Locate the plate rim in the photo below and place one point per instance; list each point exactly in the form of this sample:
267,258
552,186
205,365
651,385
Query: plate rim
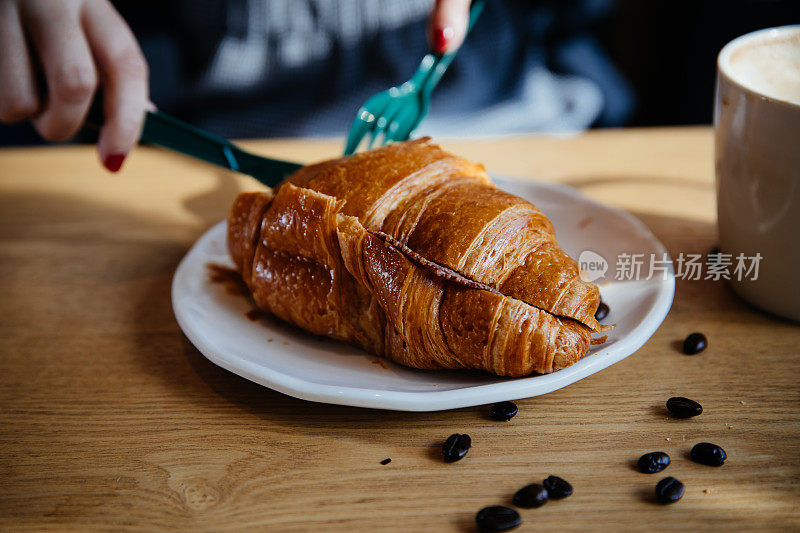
429,401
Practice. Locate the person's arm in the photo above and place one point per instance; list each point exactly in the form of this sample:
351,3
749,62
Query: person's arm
56,53
447,25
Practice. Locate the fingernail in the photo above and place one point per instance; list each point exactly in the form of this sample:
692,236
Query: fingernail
113,162
441,38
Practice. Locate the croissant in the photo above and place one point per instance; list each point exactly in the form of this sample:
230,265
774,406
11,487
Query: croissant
412,253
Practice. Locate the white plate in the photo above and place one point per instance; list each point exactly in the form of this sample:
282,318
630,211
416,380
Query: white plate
323,370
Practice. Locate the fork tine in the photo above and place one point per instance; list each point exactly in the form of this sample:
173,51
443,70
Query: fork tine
391,129
358,129
386,117
372,136
365,119
403,124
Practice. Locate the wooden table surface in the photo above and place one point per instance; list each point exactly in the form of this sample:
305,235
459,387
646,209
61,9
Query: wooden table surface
111,419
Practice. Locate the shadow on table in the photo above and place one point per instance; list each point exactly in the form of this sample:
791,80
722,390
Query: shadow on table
686,236
706,297
679,235
213,205
119,265
585,182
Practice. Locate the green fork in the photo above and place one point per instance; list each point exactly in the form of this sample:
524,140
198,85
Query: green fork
392,115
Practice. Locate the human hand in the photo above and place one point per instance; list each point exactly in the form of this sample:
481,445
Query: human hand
55,53
447,25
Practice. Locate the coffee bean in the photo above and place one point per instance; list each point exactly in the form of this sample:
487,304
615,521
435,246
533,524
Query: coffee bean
650,463
456,447
503,410
669,490
497,518
681,407
557,488
602,311
386,461
709,454
533,495
694,344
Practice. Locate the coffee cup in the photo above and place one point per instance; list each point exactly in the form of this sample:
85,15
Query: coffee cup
757,145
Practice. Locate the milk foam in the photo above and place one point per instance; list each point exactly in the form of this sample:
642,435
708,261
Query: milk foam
769,66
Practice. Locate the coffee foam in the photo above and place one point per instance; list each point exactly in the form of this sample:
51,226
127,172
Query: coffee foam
769,65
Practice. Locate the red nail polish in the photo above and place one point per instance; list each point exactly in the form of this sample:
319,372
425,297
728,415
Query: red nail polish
113,162
441,38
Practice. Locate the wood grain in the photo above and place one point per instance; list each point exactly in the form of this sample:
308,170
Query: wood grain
110,419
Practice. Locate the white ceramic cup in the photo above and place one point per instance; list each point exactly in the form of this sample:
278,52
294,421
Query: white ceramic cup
757,121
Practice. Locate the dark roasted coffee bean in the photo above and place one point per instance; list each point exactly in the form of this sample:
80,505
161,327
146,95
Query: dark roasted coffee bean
695,343
456,447
669,490
557,488
650,463
386,461
497,518
503,410
709,454
681,407
602,311
534,495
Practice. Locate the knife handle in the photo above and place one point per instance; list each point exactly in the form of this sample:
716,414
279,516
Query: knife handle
169,132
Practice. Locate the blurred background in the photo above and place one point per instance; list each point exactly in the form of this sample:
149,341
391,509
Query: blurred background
281,68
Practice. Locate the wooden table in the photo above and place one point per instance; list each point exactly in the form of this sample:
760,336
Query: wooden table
110,419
